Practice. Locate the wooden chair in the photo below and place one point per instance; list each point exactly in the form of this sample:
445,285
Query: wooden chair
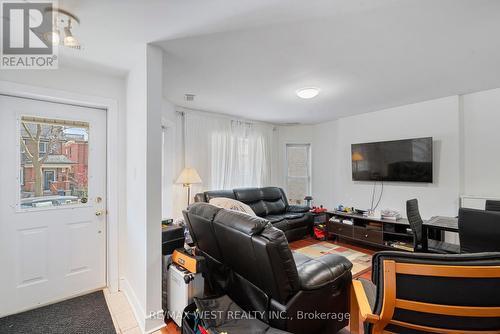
429,293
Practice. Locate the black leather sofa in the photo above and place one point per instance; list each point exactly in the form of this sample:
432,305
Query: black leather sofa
269,203
250,261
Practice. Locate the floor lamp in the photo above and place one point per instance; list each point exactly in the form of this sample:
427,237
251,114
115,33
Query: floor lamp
188,177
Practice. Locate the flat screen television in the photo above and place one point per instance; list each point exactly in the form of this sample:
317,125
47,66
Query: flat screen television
408,160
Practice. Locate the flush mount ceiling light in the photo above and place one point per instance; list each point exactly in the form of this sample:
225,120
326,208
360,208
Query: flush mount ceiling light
63,21
307,92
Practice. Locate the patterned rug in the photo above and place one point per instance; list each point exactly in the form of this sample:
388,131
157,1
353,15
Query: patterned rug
361,262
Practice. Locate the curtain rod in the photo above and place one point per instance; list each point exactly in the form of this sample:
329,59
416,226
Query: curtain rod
183,111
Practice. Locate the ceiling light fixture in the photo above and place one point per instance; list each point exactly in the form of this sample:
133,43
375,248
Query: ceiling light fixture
63,21
69,40
307,92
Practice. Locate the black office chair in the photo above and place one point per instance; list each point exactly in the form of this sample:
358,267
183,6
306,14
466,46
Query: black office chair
492,205
433,246
479,230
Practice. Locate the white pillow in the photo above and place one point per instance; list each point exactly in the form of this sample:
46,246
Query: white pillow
232,204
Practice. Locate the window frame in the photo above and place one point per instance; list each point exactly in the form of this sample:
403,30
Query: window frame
308,147
43,144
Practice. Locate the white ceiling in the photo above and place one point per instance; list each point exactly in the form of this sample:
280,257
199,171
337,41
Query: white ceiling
247,57
111,31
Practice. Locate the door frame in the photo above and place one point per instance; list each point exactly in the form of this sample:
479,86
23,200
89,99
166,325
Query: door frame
53,171
110,107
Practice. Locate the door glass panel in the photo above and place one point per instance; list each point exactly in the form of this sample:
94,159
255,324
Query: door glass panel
54,162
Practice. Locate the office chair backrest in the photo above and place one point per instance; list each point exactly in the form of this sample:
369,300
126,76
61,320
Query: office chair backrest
479,230
492,205
414,219
434,293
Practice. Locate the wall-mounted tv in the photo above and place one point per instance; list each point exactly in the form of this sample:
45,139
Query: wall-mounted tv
408,160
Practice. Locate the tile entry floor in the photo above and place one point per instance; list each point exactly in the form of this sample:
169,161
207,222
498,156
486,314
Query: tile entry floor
122,315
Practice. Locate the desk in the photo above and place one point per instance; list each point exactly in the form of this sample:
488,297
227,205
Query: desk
440,223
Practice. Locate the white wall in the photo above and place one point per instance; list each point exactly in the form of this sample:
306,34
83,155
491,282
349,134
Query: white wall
331,155
481,117
133,282
142,279
168,166
437,119
466,159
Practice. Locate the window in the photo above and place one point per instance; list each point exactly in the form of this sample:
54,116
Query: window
57,173
42,147
298,167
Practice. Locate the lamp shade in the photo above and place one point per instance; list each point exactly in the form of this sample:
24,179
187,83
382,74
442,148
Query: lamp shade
356,156
189,176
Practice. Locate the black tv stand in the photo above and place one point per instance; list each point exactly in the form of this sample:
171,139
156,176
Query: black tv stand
374,232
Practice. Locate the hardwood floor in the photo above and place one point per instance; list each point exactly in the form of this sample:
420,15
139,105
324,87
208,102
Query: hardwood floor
173,329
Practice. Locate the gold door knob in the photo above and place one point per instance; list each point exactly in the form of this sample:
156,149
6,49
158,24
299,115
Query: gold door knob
99,212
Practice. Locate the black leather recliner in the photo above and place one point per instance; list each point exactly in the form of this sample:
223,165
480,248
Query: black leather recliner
269,203
249,260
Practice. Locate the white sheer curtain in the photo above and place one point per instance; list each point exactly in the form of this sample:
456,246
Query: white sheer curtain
228,153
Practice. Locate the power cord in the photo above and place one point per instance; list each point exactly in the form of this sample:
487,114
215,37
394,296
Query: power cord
373,195
380,197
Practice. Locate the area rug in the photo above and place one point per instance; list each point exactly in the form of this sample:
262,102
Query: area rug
361,262
87,314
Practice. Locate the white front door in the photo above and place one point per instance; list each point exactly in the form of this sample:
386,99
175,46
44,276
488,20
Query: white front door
52,202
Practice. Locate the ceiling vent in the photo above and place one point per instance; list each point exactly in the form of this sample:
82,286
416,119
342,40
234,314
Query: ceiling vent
189,97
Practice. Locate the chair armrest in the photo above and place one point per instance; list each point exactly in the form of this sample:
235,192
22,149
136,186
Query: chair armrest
360,298
319,272
298,208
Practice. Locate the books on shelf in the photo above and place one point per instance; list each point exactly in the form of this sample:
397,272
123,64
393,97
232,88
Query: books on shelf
390,215
401,245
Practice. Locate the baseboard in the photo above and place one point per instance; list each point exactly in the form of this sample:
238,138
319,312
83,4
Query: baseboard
139,313
147,324
153,325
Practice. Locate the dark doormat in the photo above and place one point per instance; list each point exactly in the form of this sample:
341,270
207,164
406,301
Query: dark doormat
87,314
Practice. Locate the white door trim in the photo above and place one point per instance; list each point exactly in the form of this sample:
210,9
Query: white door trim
110,106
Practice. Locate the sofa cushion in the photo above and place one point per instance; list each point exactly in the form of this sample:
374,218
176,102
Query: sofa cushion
271,193
248,195
282,225
275,206
232,204
288,221
298,208
259,208
318,272
218,193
